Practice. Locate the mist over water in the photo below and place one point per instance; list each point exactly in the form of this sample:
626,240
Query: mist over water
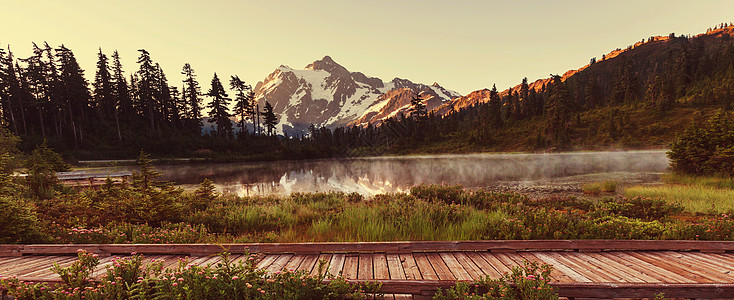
374,175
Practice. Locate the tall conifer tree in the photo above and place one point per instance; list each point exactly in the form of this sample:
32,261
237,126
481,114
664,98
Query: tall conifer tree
219,112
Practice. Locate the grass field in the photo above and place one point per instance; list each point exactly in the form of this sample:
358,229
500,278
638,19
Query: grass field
711,195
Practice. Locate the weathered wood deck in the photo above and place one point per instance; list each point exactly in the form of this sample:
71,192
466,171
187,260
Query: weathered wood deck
584,269
83,179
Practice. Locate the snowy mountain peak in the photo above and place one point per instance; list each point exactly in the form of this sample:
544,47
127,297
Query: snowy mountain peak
327,94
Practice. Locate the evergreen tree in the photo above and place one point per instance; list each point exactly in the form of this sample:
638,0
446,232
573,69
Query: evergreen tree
243,99
13,95
178,107
75,90
257,113
103,88
523,99
75,85
4,107
219,112
34,79
53,84
626,90
417,106
592,92
495,108
121,91
191,94
269,118
145,88
558,111
122,102
162,93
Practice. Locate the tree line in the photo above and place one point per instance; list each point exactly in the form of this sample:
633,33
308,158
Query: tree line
47,96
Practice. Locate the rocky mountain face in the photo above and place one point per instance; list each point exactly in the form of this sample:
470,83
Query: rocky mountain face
327,94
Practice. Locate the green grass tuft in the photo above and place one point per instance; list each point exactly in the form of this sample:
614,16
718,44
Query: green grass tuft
695,199
595,188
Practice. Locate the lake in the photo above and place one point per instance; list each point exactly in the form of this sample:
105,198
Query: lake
546,172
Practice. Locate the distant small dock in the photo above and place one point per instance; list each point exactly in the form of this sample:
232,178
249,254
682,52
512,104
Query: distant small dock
84,179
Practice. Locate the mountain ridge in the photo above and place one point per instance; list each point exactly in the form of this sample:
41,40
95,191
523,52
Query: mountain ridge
326,94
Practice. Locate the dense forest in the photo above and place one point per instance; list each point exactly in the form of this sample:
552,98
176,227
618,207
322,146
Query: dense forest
47,97
633,98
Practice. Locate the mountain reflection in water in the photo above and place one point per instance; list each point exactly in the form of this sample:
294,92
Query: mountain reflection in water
375,175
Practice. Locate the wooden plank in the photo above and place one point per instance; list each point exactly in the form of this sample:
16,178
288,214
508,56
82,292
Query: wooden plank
308,263
622,267
652,270
585,269
11,260
293,264
695,266
351,267
43,270
326,257
495,262
506,259
556,274
31,265
620,275
211,260
46,270
394,267
279,263
439,265
169,261
454,267
475,273
337,264
196,261
412,272
267,261
380,266
721,262
670,266
483,265
561,267
366,269
19,261
425,267
711,264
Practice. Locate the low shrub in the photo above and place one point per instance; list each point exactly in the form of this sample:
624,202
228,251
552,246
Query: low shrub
640,207
442,193
132,278
530,281
19,223
179,233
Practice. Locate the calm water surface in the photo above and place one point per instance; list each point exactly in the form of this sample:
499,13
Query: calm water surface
374,175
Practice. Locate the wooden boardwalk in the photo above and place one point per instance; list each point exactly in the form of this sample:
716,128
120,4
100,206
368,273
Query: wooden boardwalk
584,269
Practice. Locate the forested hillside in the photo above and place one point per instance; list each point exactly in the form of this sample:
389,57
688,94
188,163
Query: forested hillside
638,97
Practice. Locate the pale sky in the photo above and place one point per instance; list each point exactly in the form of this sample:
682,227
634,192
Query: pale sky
463,45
